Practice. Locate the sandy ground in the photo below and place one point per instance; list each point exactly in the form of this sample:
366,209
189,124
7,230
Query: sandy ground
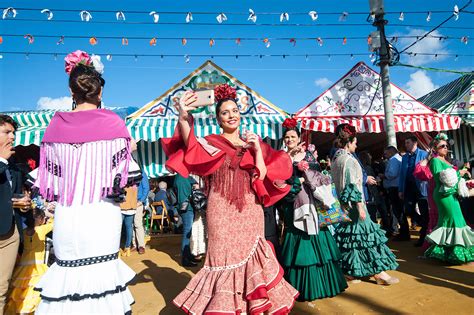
426,287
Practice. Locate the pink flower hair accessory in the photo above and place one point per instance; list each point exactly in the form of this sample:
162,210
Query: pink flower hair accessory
75,58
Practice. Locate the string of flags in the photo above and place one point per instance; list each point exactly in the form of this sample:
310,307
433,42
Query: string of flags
86,16
94,40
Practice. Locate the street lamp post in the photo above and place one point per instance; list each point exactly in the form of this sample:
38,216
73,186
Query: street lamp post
377,10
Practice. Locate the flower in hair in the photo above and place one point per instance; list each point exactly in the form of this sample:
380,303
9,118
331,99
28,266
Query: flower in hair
224,91
350,130
75,58
441,136
290,123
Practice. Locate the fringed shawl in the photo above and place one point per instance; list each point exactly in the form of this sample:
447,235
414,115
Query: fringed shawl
206,156
84,156
346,170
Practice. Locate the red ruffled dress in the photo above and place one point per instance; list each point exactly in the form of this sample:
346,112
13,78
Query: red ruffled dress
241,273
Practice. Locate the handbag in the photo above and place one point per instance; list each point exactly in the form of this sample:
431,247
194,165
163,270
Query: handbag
332,215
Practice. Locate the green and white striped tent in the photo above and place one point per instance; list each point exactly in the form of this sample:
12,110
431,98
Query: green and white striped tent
158,118
457,98
32,124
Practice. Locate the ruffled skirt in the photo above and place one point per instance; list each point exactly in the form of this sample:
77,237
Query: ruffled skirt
311,264
88,286
363,247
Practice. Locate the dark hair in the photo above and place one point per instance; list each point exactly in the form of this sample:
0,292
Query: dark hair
391,148
5,119
365,158
413,138
222,101
285,130
85,83
345,134
32,216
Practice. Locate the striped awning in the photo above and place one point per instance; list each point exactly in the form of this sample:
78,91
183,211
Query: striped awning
150,131
463,139
31,126
376,124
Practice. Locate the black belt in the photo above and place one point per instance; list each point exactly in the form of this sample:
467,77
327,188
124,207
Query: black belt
87,261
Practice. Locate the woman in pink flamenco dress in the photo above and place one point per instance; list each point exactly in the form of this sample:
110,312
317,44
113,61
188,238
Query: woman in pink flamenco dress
241,273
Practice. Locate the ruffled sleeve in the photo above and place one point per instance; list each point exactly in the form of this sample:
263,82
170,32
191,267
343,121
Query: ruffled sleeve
273,187
351,194
422,172
198,157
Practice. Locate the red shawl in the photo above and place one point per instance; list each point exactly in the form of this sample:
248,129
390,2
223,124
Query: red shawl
197,160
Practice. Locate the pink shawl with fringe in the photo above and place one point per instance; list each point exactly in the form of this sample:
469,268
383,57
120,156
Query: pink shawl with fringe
81,155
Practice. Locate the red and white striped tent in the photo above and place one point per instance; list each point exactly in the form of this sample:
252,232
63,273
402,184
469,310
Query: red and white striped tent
357,99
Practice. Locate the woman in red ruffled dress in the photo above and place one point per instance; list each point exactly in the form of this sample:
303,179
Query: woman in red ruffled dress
241,273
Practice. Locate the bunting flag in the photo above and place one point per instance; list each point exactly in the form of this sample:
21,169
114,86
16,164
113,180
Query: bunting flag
109,57
85,16
48,13
428,17
456,12
344,40
1,40
60,41
252,16
402,16
153,41
267,42
320,41
221,18
212,42
9,12
120,16
293,41
187,58
369,40
189,17
464,39
184,41
237,41
155,15
313,15
343,17
93,41
284,17
30,38
124,41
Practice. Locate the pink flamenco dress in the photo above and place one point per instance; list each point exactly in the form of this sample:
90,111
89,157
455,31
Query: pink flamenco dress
241,273
423,173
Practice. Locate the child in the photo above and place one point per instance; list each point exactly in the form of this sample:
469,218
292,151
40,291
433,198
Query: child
23,299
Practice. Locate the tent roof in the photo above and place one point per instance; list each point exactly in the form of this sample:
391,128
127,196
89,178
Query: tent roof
208,75
357,98
455,98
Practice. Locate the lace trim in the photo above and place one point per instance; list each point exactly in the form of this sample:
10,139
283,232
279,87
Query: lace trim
240,264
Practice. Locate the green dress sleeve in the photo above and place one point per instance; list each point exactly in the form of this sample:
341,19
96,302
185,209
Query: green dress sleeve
295,189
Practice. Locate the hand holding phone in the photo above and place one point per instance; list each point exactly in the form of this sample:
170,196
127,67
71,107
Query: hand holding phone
204,98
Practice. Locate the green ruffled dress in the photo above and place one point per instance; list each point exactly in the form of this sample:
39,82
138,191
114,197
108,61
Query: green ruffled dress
311,262
362,242
452,240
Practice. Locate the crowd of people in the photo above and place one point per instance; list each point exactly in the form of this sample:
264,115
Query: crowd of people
269,226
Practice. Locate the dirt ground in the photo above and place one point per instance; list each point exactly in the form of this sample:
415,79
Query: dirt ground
426,287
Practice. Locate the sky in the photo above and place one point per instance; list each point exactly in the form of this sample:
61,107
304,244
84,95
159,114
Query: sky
29,82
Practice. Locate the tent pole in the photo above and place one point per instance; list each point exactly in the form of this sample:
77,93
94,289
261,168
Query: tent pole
377,8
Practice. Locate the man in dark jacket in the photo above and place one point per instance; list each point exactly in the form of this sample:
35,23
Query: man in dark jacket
10,227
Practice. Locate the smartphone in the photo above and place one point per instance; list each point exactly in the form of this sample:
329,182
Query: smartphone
204,98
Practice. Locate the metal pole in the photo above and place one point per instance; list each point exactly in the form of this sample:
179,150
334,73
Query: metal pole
385,77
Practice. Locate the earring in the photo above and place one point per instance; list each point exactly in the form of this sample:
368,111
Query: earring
74,105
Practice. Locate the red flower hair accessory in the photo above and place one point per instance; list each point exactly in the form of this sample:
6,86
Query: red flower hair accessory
224,91
290,123
350,130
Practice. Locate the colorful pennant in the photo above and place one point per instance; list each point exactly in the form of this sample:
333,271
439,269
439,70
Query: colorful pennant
252,16
30,38
48,13
155,15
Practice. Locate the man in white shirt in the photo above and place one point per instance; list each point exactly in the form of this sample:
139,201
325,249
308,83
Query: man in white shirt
391,178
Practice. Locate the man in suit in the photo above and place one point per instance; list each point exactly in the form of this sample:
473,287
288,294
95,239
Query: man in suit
413,191
9,230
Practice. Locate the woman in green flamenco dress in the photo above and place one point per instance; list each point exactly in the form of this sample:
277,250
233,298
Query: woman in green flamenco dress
361,242
310,258
452,240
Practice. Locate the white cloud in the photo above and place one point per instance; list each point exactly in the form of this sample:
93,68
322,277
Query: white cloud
323,83
420,84
45,102
427,45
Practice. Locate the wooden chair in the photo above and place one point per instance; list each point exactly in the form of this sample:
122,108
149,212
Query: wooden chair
161,217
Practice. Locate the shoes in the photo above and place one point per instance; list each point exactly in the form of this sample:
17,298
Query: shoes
141,250
389,281
189,263
401,238
125,252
